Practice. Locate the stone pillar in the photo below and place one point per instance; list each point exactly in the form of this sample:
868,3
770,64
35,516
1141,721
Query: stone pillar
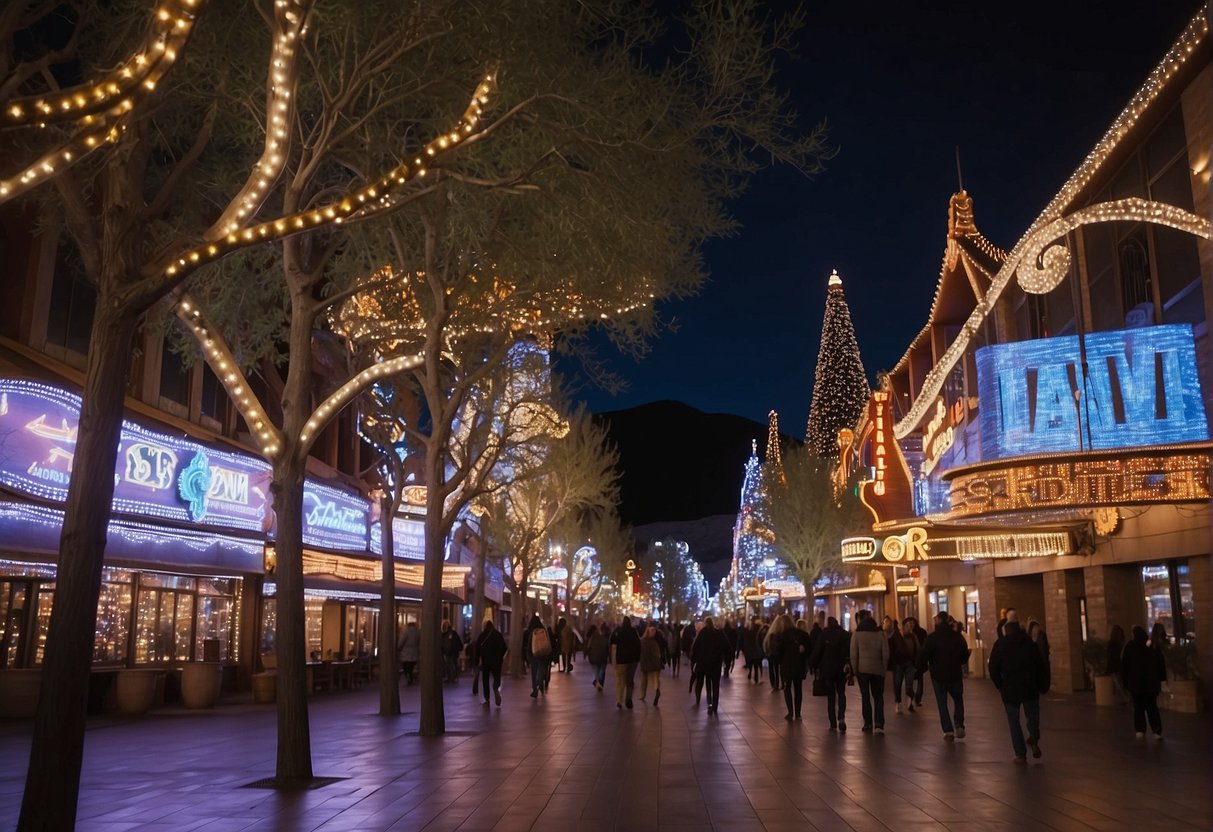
1200,571
1114,596
1062,624
988,603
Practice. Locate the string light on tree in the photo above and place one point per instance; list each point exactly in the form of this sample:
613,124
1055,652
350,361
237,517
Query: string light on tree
840,385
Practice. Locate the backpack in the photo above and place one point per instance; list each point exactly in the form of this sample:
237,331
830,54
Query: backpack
541,645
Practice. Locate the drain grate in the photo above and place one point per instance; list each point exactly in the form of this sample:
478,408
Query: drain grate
302,784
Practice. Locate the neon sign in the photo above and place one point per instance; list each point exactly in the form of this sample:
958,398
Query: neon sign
408,538
334,518
1141,389
920,544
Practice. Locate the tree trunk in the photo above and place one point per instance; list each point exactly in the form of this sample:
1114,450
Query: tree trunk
294,736
478,603
432,720
389,687
518,604
52,783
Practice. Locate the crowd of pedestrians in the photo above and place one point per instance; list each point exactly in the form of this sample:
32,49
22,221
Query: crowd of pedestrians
786,652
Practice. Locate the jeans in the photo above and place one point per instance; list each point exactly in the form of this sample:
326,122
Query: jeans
1146,705
711,678
836,701
903,674
942,691
1031,709
600,674
793,695
452,666
541,671
647,677
871,688
625,679
773,672
487,674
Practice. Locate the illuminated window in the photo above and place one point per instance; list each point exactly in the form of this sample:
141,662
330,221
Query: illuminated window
1135,281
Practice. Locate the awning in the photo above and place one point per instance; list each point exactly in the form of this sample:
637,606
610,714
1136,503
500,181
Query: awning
357,591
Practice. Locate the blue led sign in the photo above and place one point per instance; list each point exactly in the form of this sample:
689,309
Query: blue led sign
1141,389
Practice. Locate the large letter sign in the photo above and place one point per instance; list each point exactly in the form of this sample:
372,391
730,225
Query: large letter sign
1141,389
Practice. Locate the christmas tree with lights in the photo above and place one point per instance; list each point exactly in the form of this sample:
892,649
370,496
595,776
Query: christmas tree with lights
840,387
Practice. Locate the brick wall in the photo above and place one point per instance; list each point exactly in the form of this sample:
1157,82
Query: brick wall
1063,625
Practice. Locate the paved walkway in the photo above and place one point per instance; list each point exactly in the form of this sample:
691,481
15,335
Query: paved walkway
573,762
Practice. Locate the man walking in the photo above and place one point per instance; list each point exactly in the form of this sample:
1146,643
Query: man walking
708,654
944,654
869,658
452,646
491,649
1019,671
626,643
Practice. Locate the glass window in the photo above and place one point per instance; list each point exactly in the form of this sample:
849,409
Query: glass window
1134,274
1128,181
1187,606
214,398
174,377
313,610
166,581
1156,586
1174,186
69,323
216,615
164,626
1178,261
13,599
361,629
113,617
269,624
46,600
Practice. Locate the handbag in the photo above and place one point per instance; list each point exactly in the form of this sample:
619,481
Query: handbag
820,686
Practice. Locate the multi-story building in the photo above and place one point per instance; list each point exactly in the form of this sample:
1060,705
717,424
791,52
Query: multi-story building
1043,443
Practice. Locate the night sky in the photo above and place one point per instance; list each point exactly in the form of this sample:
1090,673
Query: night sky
1024,89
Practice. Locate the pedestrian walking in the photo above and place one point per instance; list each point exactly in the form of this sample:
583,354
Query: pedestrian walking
908,675
452,646
944,654
598,654
1116,646
869,658
673,649
751,648
920,633
651,662
901,660
1039,637
790,650
730,635
1018,670
1143,671
708,653
831,665
537,652
566,636
491,650
409,651
625,644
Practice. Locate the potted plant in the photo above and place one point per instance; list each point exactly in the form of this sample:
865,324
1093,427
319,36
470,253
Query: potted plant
1095,659
1183,678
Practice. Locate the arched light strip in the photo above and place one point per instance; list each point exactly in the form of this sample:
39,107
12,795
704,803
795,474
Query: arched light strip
94,131
290,23
171,24
348,391
338,211
227,370
1054,263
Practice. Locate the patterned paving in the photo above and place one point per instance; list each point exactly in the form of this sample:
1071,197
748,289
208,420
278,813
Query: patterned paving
573,762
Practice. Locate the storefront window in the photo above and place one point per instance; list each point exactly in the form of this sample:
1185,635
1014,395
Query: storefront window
13,598
313,610
216,604
46,600
269,624
361,628
1187,607
164,618
1168,592
113,616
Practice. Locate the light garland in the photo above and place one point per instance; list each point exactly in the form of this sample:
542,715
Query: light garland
99,108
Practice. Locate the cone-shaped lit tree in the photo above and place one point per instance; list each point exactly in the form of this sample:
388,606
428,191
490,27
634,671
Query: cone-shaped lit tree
840,387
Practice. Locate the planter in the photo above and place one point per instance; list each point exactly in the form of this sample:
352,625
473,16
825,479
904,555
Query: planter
1105,693
136,690
200,684
265,686
19,692
1185,696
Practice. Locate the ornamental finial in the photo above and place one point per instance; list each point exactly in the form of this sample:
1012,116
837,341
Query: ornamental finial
835,280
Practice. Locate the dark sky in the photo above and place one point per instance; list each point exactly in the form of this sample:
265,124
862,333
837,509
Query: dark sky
1024,88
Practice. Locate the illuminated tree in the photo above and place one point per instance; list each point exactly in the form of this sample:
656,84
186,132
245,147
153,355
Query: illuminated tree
840,386
807,523
577,476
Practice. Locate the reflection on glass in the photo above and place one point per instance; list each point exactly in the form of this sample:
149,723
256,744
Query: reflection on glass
1156,586
113,617
269,624
1187,606
12,614
183,626
46,600
313,610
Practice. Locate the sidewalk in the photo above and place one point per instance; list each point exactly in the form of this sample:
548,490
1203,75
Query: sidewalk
572,761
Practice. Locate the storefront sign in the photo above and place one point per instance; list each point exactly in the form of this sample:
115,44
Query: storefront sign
920,544
941,430
856,549
408,538
1163,476
552,574
1141,389
887,492
334,518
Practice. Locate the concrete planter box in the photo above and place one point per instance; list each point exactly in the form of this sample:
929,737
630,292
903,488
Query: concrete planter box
1105,693
200,684
1185,696
135,690
19,692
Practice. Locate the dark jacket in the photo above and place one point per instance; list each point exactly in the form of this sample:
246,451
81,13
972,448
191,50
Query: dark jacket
687,637
598,650
709,651
491,648
899,652
1017,667
791,649
651,654
452,644
532,625
832,653
627,645
944,654
1142,668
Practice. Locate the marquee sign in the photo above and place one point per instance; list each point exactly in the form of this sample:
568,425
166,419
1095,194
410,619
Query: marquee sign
1175,475
408,538
886,492
334,517
919,544
1141,389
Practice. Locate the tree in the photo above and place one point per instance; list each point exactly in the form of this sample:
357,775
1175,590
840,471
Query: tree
807,522
577,476
840,385
607,544
671,576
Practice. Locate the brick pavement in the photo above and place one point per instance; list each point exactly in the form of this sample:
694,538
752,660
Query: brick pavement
573,762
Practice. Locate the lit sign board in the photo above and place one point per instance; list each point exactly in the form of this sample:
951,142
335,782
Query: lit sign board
552,574
941,430
334,518
408,538
887,492
1174,476
920,544
1141,390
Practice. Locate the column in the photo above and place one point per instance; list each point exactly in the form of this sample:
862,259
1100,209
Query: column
1062,589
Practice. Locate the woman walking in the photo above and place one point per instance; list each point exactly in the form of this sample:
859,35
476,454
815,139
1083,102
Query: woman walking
1143,671
651,662
790,647
870,657
598,654
830,661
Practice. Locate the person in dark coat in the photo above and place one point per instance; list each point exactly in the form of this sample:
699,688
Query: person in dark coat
945,653
1143,670
1116,646
598,654
751,649
708,654
491,649
626,642
540,662
1017,668
790,649
831,662
452,646
901,659
730,635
